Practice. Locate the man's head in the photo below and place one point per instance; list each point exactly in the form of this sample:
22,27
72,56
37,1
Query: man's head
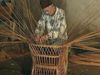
48,7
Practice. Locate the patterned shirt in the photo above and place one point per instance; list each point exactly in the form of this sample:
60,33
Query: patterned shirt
55,25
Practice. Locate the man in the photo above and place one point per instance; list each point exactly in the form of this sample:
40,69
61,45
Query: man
52,25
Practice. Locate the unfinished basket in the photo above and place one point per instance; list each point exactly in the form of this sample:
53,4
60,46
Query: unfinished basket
49,60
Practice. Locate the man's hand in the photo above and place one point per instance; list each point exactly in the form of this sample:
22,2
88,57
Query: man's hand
41,39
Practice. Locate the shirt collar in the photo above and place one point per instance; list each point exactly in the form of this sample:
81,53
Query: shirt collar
56,11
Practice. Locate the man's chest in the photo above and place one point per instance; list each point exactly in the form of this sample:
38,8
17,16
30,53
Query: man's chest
52,23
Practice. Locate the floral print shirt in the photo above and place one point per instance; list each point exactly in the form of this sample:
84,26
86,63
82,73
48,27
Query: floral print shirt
55,25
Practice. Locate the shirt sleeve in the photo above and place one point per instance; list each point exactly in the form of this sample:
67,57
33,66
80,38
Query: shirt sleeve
40,26
63,26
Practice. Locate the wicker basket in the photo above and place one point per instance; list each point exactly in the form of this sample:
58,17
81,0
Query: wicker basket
49,60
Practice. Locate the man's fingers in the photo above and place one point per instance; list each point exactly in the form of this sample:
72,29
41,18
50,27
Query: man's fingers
41,39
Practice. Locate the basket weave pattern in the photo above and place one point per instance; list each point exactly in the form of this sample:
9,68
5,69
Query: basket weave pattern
49,60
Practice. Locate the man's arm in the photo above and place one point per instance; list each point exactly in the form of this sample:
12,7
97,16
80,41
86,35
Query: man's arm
40,27
63,27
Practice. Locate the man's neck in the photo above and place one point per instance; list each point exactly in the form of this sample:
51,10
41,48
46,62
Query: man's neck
54,11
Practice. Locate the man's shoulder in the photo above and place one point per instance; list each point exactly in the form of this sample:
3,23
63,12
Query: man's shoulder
60,10
43,16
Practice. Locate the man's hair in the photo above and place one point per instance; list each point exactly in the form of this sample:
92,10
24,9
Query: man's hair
45,3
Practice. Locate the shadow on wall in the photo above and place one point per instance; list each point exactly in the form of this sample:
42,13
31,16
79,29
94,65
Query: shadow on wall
60,3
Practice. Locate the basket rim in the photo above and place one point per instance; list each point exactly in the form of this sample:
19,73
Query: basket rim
50,46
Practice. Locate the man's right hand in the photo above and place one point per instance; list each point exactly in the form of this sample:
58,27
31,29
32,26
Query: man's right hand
41,39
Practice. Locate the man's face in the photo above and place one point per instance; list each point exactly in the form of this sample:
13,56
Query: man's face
49,10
